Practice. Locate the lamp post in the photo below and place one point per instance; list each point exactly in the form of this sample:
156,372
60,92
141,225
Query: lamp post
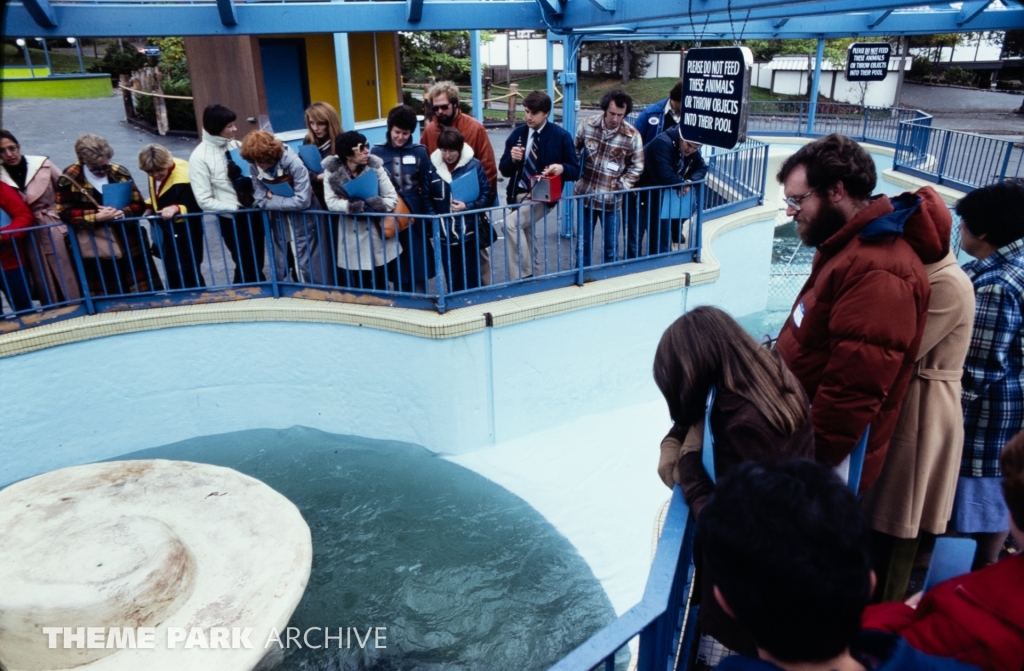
46,53
28,60
78,51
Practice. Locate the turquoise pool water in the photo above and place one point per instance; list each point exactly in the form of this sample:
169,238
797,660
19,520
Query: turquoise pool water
464,574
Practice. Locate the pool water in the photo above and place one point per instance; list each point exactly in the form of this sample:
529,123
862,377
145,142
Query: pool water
464,574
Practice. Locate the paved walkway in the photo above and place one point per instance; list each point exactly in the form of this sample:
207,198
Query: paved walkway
984,112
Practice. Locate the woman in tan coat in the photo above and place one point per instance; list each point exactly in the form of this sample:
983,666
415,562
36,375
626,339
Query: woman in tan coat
50,269
915,491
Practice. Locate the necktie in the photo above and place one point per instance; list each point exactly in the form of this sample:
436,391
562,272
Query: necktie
530,167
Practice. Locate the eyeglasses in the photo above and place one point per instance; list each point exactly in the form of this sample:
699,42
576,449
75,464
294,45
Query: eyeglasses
99,169
362,146
794,201
442,107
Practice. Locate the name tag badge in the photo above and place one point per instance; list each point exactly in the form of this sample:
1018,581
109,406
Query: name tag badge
409,160
612,166
798,314
653,121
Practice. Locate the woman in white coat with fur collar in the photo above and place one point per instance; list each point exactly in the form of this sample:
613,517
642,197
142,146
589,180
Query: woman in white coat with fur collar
365,257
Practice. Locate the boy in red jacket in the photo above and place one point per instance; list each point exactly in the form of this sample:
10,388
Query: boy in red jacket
977,618
12,256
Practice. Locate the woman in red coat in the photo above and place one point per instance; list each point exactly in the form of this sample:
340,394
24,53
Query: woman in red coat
14,283
978,618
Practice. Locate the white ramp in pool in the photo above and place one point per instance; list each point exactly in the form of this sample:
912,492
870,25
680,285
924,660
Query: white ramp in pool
595,479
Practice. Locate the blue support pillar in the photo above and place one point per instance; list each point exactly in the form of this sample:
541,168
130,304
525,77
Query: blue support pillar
570,44
344,67
475,70
812,109
46,53
551,69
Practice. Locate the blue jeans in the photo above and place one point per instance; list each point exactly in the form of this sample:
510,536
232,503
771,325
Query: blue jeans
588,218
15,287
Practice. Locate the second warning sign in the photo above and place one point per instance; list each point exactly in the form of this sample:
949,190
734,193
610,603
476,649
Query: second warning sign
716,88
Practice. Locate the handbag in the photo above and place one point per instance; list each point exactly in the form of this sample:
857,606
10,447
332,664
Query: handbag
92,246
392,226
102,247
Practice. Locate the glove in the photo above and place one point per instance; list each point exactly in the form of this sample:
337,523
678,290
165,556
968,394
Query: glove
356,205
376,204
669,458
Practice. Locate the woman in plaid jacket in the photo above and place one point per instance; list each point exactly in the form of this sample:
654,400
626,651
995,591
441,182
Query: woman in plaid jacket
80,205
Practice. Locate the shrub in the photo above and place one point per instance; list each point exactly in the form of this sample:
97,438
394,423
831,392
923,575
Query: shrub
116,62
180,113
960,77
921,68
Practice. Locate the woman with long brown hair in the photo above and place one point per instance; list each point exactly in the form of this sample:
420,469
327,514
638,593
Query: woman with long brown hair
760,413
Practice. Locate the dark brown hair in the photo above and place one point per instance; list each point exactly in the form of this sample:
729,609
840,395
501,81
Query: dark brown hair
620,98
450,138
1012,463
538,101
706,346
834,158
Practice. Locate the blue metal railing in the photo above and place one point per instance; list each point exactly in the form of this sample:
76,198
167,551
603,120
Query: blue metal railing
664,624
220,256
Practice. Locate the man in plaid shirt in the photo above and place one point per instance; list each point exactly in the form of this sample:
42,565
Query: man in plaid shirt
612,159
992,228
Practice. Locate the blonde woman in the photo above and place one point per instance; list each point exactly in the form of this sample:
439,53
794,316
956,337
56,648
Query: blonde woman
171,199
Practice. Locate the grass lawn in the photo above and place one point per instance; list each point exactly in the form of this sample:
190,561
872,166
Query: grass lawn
62,63
502,115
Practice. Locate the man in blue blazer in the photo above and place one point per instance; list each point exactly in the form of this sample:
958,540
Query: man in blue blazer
538,148
661,116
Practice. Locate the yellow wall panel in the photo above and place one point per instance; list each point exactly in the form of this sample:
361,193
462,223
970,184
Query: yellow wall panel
387,61
364,76
322,68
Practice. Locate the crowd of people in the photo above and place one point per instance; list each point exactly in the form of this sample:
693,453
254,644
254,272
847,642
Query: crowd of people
891,337
319,233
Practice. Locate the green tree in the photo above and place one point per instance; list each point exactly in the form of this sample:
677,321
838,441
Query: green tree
440,54
627,59
120,61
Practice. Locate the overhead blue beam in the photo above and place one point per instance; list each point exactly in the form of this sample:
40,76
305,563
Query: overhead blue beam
155,20
971,10
780,22
42,13
551,6
604,5
227,12
878,18
414,10
842,25
580,14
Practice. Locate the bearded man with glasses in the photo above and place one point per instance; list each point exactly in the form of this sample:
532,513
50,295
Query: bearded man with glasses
855,329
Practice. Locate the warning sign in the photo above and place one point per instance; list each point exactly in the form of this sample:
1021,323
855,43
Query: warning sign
868,61
716,90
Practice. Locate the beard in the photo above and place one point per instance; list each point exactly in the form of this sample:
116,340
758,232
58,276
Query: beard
816,231
446,118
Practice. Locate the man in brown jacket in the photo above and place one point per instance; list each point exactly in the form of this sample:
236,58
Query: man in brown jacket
856,326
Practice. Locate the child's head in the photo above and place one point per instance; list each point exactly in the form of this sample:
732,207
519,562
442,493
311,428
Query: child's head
787,550
1012,463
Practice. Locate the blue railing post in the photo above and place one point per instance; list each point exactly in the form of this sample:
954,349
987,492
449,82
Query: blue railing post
800,118
864,132
80,270
764,174
578,215
941,168
1006,161
275,288
698,221
436,228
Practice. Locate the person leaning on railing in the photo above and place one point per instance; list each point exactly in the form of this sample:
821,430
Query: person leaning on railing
408,165
178,239
51,272
115,258
760,413
221,188
13,283
363,252
669,160
274,164
462,236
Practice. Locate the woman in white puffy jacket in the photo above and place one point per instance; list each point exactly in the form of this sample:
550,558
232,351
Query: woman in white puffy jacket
364,256
216,183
